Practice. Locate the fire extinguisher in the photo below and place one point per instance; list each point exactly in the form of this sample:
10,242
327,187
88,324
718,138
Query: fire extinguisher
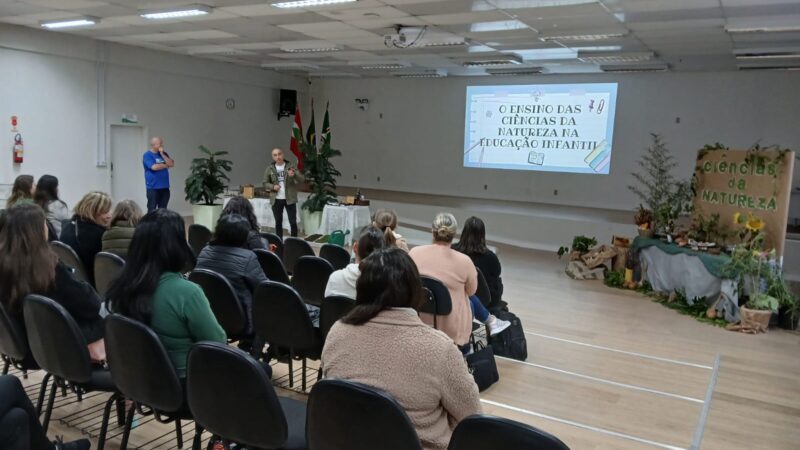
18,149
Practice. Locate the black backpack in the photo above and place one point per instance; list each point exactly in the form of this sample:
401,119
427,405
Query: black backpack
511,342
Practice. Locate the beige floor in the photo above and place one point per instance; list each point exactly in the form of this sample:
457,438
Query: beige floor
609,369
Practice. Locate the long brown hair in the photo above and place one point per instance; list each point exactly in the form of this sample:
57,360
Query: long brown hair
386,221
22,189
27,264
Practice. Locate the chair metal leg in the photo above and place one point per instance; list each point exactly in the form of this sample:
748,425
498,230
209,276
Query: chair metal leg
179,432
128,423
198,437
291,370
79,393
101,439
6,364
319,373
50,400
42,393
304,374
120,410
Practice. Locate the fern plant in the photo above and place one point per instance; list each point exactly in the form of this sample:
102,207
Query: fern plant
320,174
206,182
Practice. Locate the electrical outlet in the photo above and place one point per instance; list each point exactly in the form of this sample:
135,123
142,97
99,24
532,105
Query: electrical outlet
555,191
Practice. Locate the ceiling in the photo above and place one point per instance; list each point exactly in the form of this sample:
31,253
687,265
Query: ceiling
680,35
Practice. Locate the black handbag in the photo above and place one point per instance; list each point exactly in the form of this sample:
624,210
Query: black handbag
482,366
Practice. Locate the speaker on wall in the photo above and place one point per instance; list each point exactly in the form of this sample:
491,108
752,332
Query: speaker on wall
288,103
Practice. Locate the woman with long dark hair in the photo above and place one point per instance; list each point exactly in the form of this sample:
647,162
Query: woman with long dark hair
242,206
46,197
21,191
473,244
152,290
383,343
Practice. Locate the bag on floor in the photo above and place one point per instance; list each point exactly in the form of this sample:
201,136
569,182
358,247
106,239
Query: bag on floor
482,366
511,343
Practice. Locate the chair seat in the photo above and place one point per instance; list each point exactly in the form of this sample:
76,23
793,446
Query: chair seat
295,412
100,381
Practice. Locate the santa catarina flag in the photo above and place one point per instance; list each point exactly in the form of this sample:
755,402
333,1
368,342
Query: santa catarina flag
297,138
326,126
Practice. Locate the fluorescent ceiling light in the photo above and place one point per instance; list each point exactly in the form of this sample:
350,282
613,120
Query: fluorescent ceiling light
423,74
517,4
176,12
500,25
632,69
450,42
500,60
309,3
221,51
764,29
380,65
768,55
515,72
582,37
333,48
74,22
614,57
290,66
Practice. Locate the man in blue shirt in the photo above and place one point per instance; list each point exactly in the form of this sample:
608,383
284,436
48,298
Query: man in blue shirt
156,174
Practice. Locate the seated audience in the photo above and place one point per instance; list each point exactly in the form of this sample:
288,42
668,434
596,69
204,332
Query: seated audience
458,274
243,207
22,191
383,343
152,290
473,244
227,255
19,424
386,221
29,266
117,239
84,233
343,281
56,210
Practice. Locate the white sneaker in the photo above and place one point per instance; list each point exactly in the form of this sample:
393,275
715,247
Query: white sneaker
496,325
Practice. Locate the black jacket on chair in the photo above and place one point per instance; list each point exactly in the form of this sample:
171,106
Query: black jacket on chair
239,265
86,238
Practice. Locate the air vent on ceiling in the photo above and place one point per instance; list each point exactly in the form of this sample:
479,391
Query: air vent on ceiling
635,68
582,37
332,48
795,67
290,67
491,61
421,74
515,72
614,57
768,55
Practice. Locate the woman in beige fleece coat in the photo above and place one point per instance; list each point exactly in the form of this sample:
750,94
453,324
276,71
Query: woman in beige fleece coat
383,343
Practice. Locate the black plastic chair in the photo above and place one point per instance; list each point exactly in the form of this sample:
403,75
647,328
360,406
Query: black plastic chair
274,239
141,368
272,265
281,318
14,352
439,302
310,277
61,350
335,405
106,267
333,308
483,292
230,396
226,305
293,249
199,236
68,256
489,433
339,257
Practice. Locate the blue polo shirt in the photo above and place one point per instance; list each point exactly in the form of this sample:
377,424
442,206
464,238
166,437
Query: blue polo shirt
154,179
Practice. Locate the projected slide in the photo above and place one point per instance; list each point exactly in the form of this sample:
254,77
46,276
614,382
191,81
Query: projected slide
550,127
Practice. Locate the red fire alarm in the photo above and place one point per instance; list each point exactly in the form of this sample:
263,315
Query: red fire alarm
14,123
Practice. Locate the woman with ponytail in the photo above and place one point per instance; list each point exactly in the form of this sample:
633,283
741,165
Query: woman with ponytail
386,221
343,281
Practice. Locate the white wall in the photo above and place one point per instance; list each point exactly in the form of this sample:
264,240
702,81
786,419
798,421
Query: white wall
67,90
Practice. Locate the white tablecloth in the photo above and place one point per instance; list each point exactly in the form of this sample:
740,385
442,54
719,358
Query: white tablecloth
345,218
264,214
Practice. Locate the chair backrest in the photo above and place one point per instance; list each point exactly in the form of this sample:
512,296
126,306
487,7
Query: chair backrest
106,267
199,236
439,302
483,292
226,305
231,396
490,433
13,342
338,256
335,405
275,240
55,339
310,277
140,366
293,249
272,265
281,317
68,256
333,308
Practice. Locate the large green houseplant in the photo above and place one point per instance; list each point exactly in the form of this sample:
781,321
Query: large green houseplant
205,184
321,178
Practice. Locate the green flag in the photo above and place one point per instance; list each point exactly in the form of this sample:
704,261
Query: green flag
311,133
326,126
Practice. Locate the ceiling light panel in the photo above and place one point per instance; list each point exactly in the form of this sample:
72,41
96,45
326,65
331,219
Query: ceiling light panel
177,12
310,3
73,22
614,57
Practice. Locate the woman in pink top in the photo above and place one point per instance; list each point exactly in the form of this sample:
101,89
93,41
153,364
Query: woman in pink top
458,274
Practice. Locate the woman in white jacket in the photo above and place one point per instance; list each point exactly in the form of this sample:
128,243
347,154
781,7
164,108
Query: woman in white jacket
343,281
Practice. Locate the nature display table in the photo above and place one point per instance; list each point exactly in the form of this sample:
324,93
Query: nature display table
668,268
263,211
344,218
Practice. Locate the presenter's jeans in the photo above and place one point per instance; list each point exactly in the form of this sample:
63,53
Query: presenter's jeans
478,310
19,425
291,211
157,199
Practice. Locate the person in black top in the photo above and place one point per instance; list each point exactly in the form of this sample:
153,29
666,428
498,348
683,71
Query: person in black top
84,233
473,244
29,266
242,206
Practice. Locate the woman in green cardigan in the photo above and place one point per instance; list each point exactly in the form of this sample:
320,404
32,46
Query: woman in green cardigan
152,290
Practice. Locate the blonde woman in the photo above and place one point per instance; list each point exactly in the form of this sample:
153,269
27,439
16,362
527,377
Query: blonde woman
386,221
123,223
84,233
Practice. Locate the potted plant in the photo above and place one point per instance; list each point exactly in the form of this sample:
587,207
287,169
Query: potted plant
205,184
644,221
321,178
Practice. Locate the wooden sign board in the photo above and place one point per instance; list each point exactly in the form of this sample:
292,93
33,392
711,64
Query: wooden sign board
754,183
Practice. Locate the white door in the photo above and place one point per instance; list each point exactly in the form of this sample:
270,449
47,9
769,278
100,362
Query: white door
128,144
